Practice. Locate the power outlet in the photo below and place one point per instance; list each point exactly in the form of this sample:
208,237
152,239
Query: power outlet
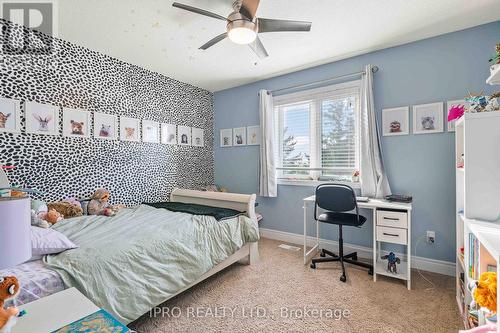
431,237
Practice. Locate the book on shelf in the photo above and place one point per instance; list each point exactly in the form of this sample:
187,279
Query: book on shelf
473,257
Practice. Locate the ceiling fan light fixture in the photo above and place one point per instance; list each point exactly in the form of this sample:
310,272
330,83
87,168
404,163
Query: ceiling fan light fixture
242,35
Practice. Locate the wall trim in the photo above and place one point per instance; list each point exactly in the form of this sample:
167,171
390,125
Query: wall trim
422,263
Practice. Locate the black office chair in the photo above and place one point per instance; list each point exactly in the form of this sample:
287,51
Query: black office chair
338,199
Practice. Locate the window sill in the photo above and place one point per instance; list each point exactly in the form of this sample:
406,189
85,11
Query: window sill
314,183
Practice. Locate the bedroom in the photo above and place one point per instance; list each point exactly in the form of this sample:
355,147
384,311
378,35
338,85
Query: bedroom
159,175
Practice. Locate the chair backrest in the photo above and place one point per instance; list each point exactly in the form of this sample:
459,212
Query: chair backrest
336,198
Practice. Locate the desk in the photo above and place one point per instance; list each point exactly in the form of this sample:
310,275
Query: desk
375,205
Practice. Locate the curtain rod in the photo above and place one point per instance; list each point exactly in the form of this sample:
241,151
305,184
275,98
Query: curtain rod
374,70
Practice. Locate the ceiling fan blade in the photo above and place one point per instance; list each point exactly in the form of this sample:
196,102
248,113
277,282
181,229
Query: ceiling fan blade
271,25
249,8
198,11
258,48
213,41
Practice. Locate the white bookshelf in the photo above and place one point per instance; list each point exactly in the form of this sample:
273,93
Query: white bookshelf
477,199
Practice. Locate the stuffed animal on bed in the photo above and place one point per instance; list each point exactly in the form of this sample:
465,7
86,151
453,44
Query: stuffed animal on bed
99,204
38,210
9,288
66,209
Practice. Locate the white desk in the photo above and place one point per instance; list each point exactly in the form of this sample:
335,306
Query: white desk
374,205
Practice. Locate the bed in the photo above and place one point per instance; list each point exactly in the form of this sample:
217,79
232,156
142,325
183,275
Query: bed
144,256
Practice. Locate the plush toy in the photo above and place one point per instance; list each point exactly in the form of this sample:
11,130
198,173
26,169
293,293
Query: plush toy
392,260
99,204
66,209
485,293
73,201
38,210
9,288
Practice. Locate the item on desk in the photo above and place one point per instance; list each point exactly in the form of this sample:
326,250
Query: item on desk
362,199
399,198
392,261
9,289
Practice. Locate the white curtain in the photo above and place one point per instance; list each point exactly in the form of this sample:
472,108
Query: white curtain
267,185
374,182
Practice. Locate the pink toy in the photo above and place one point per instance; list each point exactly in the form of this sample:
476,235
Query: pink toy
455,112
488,328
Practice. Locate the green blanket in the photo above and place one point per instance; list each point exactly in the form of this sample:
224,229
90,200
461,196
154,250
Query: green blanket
132,262
217,212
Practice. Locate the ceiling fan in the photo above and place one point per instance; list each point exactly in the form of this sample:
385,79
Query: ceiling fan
243,26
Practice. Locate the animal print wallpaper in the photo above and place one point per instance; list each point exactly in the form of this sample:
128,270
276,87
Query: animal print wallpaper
76,77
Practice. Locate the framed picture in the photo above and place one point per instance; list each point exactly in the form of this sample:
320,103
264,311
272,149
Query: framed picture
198,139
428,118
168,134
184,135
105,126
253,135
76,123
150,131
130,129
226,137
42,118
240,136
449,105
10,115
396,121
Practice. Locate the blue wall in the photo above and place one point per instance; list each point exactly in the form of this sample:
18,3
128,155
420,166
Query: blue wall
436,69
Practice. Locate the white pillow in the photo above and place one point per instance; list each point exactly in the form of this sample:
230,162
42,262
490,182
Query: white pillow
49,241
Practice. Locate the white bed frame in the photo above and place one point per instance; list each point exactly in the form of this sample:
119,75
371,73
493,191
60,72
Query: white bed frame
249,253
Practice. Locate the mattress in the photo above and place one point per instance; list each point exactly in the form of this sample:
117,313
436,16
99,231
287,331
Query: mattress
37,280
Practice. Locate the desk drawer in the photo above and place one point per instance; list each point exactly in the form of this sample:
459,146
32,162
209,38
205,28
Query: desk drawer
392,235
392,219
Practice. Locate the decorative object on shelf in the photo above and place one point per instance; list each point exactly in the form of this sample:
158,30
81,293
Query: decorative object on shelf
150,131
9,289
226,137
184,135
42,118
396,121
105,126
253,135
392,261
198,137
239,136
482,103
495,60
461,161
428,118
456,109
355,176
168,134
485,293
130,129
76,123
10,115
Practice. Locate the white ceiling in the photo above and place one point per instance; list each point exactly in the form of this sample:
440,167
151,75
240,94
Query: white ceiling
154,35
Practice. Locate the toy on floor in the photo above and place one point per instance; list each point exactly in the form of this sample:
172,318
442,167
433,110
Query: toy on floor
99,204
392,260
9,289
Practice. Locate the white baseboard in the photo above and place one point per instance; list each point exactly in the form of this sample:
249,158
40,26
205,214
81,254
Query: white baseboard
425,264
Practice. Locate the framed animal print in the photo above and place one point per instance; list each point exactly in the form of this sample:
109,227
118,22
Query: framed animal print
240,136
168,134
76,123
42,118
130,129
10,115
150,131
428,118
226,137
253,135
105,126
184,135
197,137
396,121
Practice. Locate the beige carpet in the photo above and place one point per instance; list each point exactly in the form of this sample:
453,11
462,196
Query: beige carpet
268,297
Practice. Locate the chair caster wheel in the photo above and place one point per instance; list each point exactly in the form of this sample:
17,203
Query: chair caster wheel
343,278
370,272
313,266
322,254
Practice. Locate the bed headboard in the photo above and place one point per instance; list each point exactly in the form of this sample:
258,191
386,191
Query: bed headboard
240,202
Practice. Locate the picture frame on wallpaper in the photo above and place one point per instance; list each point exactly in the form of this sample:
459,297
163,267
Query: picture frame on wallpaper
42,118
184,135
130,129
168,134
239,136
396,121
105,126
10,115
198,139
226,137
253,135
150,131
428,118
449,105
76,123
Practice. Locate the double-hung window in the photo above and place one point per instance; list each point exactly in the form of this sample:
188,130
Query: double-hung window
317,133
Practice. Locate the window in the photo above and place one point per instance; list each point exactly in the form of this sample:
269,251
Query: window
317,133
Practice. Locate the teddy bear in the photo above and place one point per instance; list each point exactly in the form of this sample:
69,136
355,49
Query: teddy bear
66,209
99,204
9,289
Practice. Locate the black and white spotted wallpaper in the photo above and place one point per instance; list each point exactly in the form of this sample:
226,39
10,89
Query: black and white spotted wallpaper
77,77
